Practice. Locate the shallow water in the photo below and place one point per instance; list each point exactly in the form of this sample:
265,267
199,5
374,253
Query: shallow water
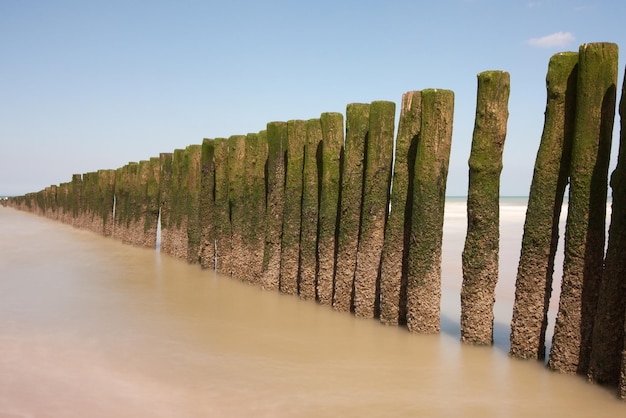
92,327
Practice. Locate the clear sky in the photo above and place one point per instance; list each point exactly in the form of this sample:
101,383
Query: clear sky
88,85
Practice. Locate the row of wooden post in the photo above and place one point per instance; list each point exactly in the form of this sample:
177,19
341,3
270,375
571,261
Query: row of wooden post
324,211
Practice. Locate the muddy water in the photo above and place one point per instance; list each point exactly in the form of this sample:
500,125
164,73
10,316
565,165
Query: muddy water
92,327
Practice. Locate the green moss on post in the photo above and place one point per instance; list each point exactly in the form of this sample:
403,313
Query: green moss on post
357,129
608,332
75,189
429,191
585,227
480,254
395,249
541,229
174,233
276,149
152,201
376,184
310,199
292,210
221,214
254,205
106,187
236,183
207,204
329,175
165,200
192,175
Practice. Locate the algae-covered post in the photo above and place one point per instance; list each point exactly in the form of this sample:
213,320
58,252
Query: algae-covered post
206,204
174,229
357,127
541,228
329,175
75,188
236,182
310,199
254,205
395,248
429,190
585,226
292,211
106,184
165,200
608,331
221,215
376,183
125,207
480,253
192,174
276,148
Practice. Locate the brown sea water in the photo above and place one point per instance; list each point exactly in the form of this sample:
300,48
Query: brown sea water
90,327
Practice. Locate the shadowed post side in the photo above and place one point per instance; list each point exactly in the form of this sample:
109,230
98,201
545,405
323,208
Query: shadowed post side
221,216
533,286
254,205
207,204
357,127
429,190
292,210
376,183
480,253
585,227
395,248
275,180
608,332
310,206
236,182
332,141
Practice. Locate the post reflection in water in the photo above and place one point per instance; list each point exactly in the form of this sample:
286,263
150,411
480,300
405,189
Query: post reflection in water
92,327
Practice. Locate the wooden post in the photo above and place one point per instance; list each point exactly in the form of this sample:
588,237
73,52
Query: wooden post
357,128
541,228
332,141
377,180
292,210
310,199
397,232
584,233
480,254
429,191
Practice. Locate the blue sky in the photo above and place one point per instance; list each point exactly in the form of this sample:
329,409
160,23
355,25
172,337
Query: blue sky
88,85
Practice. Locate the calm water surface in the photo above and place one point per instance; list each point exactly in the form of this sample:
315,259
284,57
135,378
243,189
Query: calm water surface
90,327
